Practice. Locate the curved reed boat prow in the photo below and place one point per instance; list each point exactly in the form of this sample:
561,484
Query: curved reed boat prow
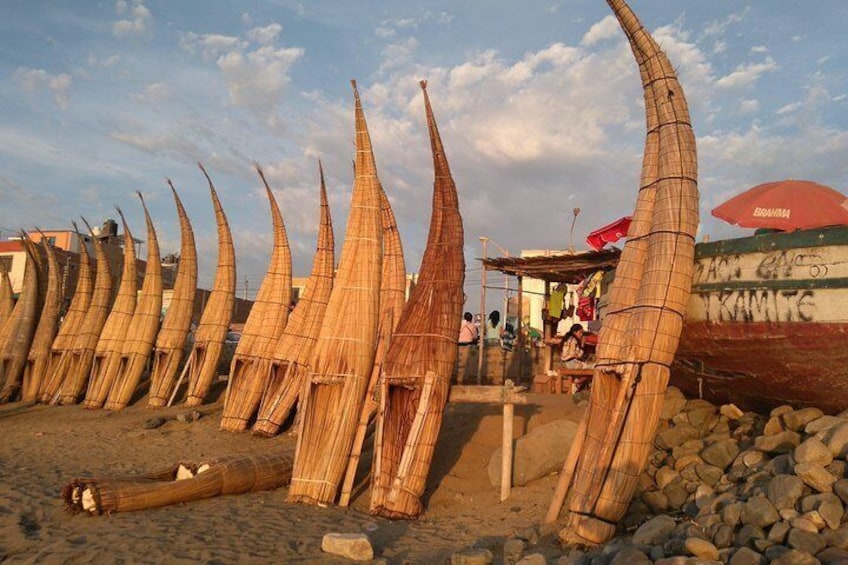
416,373
641,332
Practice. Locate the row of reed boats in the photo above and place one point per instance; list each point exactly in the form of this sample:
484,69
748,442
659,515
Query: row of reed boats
351,349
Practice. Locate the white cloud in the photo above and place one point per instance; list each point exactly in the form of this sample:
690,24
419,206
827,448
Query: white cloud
209,45
747,74
37,80
789,108
138,25
265,35
749,106
398,54
154,93
719,46
759,49
103,62
605,29
719,27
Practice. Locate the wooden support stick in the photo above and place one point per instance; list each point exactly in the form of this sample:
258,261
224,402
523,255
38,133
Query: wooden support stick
567,473
182,376
506,450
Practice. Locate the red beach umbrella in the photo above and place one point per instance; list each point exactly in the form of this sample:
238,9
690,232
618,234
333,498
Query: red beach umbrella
786,205
610,233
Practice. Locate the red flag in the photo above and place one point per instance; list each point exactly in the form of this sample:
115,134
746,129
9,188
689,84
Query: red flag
610,233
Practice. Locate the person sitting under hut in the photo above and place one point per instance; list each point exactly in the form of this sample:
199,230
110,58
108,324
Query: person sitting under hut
574,355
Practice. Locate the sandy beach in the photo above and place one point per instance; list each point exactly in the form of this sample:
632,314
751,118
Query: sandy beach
44,447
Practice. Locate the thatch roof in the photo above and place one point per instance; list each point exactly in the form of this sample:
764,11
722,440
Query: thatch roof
558,268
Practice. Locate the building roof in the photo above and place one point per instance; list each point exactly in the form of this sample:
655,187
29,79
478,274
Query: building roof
559,268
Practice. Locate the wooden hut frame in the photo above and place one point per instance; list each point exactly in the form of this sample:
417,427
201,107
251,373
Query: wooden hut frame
292,352
7,296
107,353
344,353
64,341
38,358
633,368
141,336
184,482
420,361
266,322
202,364
74,367
171,339
18,330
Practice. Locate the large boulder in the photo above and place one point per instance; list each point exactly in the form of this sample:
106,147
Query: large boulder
537,454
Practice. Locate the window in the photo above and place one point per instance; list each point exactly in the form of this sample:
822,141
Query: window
6,262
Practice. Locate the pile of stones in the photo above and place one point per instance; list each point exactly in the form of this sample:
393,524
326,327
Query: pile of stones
726,486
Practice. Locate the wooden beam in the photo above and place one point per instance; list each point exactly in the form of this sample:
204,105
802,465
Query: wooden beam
488,394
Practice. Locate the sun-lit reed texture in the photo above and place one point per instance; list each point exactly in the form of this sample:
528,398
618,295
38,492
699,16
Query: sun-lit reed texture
420,361
171,339
344,353
75,371
266,322
202,364
62,347
17,333
7,296
107,354
392,300
38,358
633,372
184,482
141,336
292,352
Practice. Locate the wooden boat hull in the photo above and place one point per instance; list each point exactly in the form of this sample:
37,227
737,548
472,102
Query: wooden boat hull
767,321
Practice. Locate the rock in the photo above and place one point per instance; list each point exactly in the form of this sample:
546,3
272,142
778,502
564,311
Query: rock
798,419
533,559
351,546
837,538
702,417
795,557
783,491
778,532
677,495
780,465
832,556
189,417
708,473
782,442
701,548
780,411
655,531
670,438
153,423
807,542
836,439
732,514
758,511
837,468
772,427
537,454
803,523
822,424
723,536
747,534
730,411
704,496
840,487
665,475
657,502
747,556
673,403
813,451
828,505
752,457
513,550
689,447
630,555
815,476
788,513
475,556
721,454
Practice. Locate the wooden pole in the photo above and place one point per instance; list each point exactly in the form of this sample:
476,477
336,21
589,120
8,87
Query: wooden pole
547,356
481,348
567,472
506,446
520,349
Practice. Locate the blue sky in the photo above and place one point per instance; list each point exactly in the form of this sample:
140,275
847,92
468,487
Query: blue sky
538,102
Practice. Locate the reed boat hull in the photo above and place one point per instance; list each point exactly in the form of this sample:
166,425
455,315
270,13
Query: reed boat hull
767,321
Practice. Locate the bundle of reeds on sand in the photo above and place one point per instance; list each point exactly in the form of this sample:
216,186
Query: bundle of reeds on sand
266,322
183,482
292,352
344,354
64,341
392,300
7,296
171,339
107,353
202,364
75,365
18,330
420,361
38,358
141,336
637,346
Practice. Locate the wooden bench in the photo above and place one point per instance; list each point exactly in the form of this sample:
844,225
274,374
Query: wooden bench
561,382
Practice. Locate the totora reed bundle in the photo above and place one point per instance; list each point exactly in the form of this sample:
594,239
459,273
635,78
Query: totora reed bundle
418,366
107,354
171,339
344,353
291,354
183,482
18,330
73,367
266,322
64,341
639,339
38,358
7,296
141,336
202,364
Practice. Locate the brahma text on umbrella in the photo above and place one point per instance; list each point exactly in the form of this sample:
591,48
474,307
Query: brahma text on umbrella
772,212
